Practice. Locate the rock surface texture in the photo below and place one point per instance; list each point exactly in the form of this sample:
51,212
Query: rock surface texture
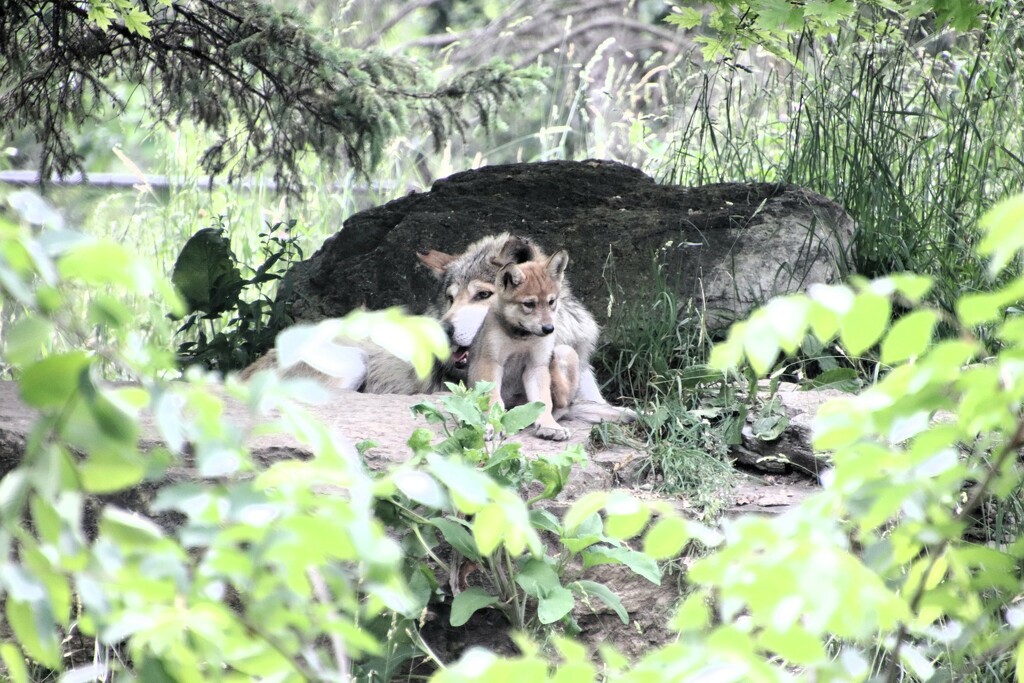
728,246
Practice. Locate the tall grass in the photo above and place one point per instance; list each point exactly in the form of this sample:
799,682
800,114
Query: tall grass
914,137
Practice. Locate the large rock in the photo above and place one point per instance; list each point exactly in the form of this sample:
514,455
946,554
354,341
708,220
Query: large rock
728,246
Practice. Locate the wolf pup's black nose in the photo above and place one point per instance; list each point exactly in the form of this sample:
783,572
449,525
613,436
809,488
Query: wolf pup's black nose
547,329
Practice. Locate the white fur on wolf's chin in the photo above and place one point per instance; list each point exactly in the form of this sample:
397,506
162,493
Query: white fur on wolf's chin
466,323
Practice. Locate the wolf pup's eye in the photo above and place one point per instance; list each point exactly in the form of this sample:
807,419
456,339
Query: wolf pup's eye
483,294
529,305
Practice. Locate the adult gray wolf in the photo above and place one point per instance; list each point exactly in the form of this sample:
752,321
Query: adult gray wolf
466,285
516,340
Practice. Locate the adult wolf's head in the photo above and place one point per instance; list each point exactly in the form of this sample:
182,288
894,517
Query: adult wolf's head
528,295
468,283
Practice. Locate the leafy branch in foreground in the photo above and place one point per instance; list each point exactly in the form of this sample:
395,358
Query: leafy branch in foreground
771,23
262,80
888,573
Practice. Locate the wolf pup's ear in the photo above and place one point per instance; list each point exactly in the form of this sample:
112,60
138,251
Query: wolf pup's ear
557,263
510,276
437,261
517,250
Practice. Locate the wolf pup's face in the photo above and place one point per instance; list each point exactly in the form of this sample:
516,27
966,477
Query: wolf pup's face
467,285
528,295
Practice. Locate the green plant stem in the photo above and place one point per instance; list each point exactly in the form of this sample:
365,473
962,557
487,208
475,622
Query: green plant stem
426,548
305,672
520,605
323,596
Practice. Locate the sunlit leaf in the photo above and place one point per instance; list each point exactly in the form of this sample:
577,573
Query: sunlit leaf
909,336
865,322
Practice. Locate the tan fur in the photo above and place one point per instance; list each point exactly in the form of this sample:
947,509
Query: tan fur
467,286
517,339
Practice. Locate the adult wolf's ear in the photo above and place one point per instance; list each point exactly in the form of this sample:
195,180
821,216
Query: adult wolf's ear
511,275
517,250
557,263
437,261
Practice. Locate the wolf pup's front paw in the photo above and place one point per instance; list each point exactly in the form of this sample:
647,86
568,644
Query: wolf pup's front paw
555,433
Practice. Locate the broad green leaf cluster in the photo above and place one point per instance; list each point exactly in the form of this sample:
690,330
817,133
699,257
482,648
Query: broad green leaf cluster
770,23
188,560
890,571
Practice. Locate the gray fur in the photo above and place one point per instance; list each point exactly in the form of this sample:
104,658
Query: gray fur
574,326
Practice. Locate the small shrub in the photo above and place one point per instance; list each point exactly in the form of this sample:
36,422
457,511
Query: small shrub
233,319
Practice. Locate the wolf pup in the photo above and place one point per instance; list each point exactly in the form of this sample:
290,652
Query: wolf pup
467,284
516,339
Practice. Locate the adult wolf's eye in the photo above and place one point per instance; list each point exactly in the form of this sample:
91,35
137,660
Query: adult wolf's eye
451,299
483,294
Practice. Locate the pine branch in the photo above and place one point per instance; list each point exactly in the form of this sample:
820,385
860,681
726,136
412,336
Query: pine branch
262,81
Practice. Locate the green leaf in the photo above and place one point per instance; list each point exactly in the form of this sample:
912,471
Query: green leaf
909,337
129,529
540,519
14,663
625,516
488,528
34,630
864,324
828,12
641,564
586,589
1018,664
777,14
1004,228
468,487
519,418
843,379
467,602
911,286
787,316
101,262
458,537
13,489
728,354
685,17
538,578
51,382
109,469
464,410
416,339
978,309
26,339
583,509
205,273
553,472
666,538
420,487
554,605
760,343
693,614
795,644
